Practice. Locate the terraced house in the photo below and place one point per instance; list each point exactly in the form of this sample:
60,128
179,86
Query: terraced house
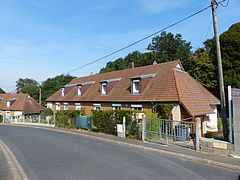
18,105
140,89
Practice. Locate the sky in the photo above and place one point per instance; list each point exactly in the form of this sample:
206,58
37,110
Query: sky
40,39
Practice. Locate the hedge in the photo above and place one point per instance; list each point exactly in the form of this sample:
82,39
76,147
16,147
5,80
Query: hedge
1,118
106,121
67,118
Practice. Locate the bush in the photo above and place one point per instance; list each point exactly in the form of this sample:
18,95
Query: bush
164,111
47,112
1,118
215,135
67,118
106,121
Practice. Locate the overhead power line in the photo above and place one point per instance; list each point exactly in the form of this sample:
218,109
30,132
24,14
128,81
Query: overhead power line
140,40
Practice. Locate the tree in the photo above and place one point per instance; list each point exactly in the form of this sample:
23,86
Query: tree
2,91
121,63
51,85
169,47
29,86
230,51
165,47
202,69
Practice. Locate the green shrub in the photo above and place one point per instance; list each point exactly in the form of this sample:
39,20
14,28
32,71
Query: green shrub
106,121
47,112
67,118
164,111
1,118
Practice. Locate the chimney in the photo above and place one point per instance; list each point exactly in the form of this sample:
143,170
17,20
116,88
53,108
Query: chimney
155,62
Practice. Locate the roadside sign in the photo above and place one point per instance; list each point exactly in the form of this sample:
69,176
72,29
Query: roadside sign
232,93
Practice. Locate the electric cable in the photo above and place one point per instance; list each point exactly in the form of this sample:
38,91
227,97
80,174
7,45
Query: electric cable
140,40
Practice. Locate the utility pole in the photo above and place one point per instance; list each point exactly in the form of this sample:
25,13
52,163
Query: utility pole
220,71
40,94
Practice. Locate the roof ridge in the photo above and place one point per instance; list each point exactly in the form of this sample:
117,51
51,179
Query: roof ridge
176,83
129,69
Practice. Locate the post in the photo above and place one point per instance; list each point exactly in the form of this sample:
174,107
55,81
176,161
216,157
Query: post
166,131
39,119
230,114
220,71
236,123
3,119
40,94
124,127
197,133
144,128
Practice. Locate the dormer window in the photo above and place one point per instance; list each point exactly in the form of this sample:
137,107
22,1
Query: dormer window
79,92
103,88
62,91
136,86
8,103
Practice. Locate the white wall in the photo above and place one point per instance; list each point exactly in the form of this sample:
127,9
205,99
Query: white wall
211,120
49,105
176,112
17,113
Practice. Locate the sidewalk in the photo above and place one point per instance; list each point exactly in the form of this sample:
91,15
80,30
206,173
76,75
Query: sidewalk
178,148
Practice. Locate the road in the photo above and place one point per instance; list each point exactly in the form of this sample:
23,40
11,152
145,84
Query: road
46,154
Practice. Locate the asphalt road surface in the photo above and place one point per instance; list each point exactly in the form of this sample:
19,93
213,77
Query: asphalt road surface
49,155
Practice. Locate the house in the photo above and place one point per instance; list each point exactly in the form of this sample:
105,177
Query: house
18,105
140,89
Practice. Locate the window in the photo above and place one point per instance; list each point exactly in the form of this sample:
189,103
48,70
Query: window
96,106
49,105
0,112
103,88
136,86
57,106
137,107
8,103
62,91
79,92
8,114
65,106
117,106
78,106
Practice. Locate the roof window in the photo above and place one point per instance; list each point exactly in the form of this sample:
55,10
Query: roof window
103,88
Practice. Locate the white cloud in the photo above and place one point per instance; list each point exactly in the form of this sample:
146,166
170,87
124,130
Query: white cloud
158,6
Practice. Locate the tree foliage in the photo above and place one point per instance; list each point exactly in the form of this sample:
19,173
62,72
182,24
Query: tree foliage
202,68
28,86
165,47
2,91
51,85
230,51
169,47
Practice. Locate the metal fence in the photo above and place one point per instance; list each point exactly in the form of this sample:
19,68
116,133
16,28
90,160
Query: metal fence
31,120
163,130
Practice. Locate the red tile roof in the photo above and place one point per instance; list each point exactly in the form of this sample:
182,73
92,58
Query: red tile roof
20,102
168,84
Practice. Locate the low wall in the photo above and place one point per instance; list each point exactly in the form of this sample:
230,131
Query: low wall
216,146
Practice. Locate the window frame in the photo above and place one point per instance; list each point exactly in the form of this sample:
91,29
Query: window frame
136,107
103,88
63,91
97,106
118,106
78,106
58,106
134,90
79,90
65,106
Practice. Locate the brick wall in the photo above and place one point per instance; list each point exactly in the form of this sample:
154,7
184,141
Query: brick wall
88,106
